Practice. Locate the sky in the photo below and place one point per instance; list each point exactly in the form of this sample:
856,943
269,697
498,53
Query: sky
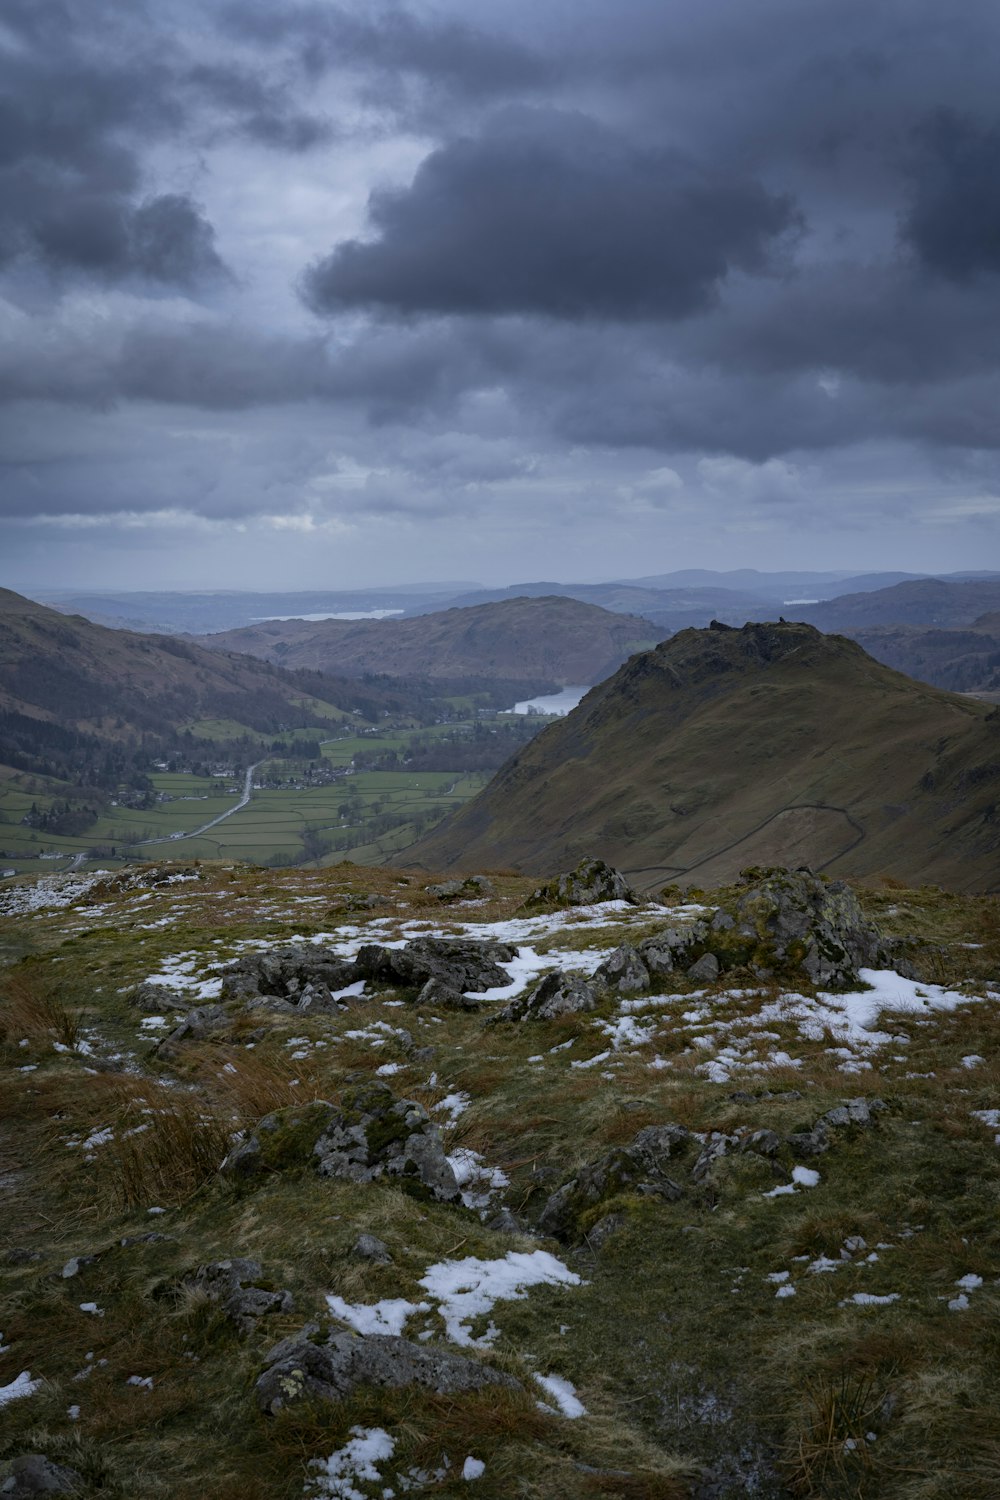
296,293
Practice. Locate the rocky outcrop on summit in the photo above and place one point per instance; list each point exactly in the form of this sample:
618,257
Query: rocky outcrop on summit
461,964
787,923
300,976
303,1368
558,994
590,882
370,1134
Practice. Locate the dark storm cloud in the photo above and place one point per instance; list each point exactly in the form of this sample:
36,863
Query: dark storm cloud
83,95
393,41
954,221
551,213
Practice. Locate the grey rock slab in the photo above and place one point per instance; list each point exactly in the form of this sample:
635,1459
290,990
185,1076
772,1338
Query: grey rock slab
34,1474
460,963
299,1369
704,970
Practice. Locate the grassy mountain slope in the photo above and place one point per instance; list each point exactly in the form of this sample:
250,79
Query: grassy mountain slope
557,639
725,748
67,685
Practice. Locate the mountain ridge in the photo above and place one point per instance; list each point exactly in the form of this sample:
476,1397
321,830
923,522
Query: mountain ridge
724,748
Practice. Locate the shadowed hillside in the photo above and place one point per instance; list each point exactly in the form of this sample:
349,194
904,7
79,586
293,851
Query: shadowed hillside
726,748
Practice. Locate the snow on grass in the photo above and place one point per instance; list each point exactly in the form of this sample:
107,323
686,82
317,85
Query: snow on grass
469,1289
801,1177
47,894
461,1291
870,1299
356,1463
473,1468
477,1182
563,1394
453,1105
386,1317
22,1386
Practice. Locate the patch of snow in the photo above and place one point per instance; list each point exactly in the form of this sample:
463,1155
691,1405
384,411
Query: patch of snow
870,1299
454,1105
470,1171
358,1460
473,1468
469,1289
23,1385
563,1394
386,1317
805,1176
973,1060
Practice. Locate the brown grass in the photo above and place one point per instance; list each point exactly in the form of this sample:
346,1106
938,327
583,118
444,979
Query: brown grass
31,1008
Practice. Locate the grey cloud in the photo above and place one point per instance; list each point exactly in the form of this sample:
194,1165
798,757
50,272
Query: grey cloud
551,213
953,223
393,40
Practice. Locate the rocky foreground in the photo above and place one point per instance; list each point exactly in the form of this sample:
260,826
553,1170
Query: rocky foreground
347,1184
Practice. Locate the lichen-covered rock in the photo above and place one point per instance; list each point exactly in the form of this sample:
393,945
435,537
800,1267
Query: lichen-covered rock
301,1369
591,882
34,1474
240,1289
624,970
462,964
783,922
638,1168
370,1134
809,924
558,994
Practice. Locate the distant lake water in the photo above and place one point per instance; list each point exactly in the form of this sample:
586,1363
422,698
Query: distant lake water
553,703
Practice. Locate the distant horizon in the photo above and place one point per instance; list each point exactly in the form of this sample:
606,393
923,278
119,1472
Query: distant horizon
419,586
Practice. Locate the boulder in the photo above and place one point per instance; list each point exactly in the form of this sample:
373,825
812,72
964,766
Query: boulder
286,972
301,1369
370,1134
624,971
155,999
370,1247
558,994
787,923
34,1474
639,1168
238,1286
591,882
462,964
199,1023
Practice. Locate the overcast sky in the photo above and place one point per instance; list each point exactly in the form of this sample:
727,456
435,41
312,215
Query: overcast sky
316,294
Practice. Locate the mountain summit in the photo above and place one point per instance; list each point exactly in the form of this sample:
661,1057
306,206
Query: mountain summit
723,748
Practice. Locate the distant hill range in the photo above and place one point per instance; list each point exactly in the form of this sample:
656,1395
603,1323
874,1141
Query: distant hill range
77,700
561,641
724,748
